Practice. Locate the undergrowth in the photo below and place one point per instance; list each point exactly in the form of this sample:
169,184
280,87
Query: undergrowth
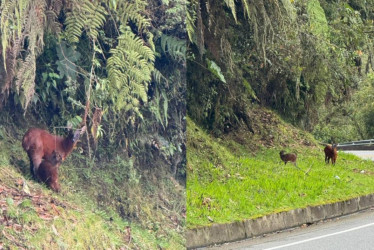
241,176
113,205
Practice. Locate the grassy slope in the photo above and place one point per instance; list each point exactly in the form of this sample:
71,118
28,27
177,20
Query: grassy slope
40,219
241,176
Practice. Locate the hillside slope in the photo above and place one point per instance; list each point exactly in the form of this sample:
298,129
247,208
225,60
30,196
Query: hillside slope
84,214
240,175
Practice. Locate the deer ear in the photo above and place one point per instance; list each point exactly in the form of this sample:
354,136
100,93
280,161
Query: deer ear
83,129
69,126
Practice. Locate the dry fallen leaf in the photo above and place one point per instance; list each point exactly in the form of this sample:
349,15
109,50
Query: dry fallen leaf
45,217
17,227
54,230
127,237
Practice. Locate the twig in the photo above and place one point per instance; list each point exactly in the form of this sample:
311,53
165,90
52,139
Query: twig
307,172
86,110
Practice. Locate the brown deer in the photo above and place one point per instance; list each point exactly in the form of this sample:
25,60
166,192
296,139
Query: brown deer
331,152
290,157
39,145
48,171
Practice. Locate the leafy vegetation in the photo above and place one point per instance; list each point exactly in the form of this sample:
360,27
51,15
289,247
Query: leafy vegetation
40,220
304,59
117,67
311,63
231,179
86,213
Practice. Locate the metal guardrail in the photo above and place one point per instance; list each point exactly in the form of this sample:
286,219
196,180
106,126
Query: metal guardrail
356,143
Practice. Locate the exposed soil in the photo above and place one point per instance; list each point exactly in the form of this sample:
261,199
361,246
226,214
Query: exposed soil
45,207
363,171
268,131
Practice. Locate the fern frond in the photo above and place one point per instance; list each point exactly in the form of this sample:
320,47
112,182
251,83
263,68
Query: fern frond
133,43
133,11
35,22
174,46
20,20
159,77
25,79
191,19
11,16
130,68
246,8
84,16
231,5
56,6
52,25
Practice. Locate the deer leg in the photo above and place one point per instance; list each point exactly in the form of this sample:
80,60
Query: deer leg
36,160
294,163
30,155
31,167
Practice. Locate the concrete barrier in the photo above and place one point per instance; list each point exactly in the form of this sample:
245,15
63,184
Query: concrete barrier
222,233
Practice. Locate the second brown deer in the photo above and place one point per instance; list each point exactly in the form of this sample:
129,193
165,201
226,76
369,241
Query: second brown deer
331,152
48,171
290,157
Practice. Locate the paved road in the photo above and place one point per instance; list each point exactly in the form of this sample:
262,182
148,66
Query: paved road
353,232
368,154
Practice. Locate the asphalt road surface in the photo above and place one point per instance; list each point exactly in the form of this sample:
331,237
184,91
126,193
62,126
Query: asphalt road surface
368,154
353,232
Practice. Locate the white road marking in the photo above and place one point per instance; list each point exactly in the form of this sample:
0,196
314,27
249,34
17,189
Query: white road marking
320,237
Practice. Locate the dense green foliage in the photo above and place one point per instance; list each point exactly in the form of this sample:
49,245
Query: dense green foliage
121,65
125,59
311,62
305,59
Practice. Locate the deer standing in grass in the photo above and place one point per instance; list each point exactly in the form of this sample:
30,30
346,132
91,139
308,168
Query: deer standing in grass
48,171
331,152
290,157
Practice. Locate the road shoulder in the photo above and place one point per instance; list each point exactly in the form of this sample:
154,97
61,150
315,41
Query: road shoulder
222,233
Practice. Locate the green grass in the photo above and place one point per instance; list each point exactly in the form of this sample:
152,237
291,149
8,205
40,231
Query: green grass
228,182
82,219
76,225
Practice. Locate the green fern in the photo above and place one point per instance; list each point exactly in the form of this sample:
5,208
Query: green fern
160,111
11,22
231,5
21,20
191,18
216,70
246,8
130,69
158,77
87,16
26,79
133,11
174,46
4,26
